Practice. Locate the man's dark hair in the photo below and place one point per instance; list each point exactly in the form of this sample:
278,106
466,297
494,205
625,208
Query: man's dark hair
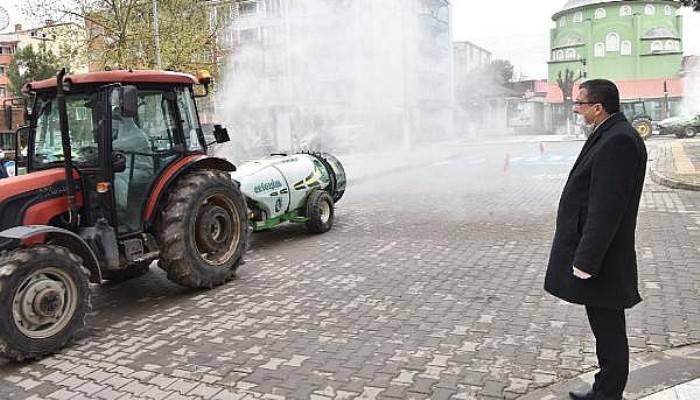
604,92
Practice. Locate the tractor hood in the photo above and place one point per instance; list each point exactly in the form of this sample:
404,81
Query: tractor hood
37,181
33,198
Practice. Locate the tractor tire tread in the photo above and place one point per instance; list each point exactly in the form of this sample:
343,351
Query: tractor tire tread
13,262
172,226
313,211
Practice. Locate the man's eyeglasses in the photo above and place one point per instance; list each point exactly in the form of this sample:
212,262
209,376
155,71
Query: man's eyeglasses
578,103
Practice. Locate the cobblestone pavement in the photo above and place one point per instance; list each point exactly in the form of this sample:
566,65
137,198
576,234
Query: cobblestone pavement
428,286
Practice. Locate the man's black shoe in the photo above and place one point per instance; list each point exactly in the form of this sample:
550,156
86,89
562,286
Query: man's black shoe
576,395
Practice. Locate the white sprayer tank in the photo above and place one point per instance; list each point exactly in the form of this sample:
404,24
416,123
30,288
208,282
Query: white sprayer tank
280,184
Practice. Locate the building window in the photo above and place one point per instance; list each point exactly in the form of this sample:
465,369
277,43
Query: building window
248,7
599,50
677,46
578,16
668,46
649,9
273,8
2,70
562,21
560,55
249,36
2,91
656,45
570,54
668,10
626,48
612,42
273,35
212,19
600,13
625,10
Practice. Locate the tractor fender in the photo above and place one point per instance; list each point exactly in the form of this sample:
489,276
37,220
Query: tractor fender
175,171
68,239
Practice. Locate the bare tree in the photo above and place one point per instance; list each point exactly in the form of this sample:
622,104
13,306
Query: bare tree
566,82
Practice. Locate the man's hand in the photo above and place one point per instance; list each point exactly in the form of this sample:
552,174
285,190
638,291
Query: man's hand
580,274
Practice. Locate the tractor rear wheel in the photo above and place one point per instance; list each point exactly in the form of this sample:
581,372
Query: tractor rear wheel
44,298
320,210
203,230
643,128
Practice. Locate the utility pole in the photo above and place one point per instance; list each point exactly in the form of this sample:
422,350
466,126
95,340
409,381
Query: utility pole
667,110
407,112
156,33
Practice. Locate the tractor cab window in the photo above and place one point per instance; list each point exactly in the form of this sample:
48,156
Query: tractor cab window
632,110
190,122
82,127
148,143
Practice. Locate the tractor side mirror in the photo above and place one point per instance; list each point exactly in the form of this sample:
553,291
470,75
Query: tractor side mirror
221,134
129,101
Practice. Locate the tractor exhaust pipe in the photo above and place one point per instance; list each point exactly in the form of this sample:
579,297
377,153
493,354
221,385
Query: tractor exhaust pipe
65,139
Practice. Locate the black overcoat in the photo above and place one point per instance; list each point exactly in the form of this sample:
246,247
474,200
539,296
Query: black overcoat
597,218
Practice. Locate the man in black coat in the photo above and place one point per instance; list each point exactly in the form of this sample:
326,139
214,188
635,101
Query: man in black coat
593,261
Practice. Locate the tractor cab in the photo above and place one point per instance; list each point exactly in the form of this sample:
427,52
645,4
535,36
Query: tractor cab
118,176
122,137
12,157
7,150
636,113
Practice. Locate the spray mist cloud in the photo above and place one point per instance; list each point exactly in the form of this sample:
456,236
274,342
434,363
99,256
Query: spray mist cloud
337,75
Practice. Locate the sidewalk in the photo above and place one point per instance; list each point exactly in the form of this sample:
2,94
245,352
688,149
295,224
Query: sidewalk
676,164
668,375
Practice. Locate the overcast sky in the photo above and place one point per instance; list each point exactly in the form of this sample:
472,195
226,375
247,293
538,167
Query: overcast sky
511,29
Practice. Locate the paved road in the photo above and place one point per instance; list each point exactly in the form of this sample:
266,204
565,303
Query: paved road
429,286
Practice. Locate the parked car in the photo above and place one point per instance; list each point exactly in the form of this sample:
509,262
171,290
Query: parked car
681,126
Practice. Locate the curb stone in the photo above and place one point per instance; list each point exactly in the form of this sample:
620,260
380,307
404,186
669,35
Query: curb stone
661,178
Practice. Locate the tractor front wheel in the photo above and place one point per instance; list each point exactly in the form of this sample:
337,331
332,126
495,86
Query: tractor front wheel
203,230
643,128
690,132
44,298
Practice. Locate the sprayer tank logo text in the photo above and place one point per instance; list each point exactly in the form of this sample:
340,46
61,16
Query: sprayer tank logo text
265,186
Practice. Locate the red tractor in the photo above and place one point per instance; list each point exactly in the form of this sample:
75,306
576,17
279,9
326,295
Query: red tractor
117,176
